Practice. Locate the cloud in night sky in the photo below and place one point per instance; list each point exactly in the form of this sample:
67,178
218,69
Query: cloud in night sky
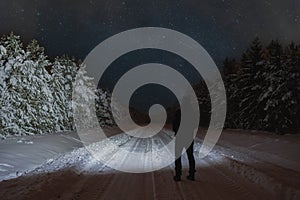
223,27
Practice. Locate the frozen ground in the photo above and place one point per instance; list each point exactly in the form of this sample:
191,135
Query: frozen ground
21,154
244,165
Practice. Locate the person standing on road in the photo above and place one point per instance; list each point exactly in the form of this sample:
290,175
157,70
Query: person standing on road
179,148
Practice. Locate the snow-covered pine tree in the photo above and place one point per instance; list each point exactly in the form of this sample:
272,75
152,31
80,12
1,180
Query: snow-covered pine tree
63,72
44,101
3,55
83,96
103,109
82,101
249,86
105,106
34,101
13,57
27,98
3,88
265,95
293,61
37,53
278,101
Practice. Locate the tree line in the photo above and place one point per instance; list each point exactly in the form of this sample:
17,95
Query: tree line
262,88
36,93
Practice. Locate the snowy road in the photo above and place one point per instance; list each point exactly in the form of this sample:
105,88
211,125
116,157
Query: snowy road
212,182
221,175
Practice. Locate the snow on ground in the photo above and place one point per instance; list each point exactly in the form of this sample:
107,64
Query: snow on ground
270,162
151,155
21,154
49,153
280,150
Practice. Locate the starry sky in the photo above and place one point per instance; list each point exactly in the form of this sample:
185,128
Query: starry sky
223,27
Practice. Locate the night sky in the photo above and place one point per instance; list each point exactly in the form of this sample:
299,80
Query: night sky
223,27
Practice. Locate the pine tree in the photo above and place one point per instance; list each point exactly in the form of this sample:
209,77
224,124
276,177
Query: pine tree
37,53
34,100
63,72
105,107
279,99
13,45
3,77
264,94
83,98
28,100
3,87
249,86
12,60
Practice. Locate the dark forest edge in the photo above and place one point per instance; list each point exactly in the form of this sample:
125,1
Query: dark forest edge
262,90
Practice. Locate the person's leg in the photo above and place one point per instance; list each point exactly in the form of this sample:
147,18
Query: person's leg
178,165
190,154
178,168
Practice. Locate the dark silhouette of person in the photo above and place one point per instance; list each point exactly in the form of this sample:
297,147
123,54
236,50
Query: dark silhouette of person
179,148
